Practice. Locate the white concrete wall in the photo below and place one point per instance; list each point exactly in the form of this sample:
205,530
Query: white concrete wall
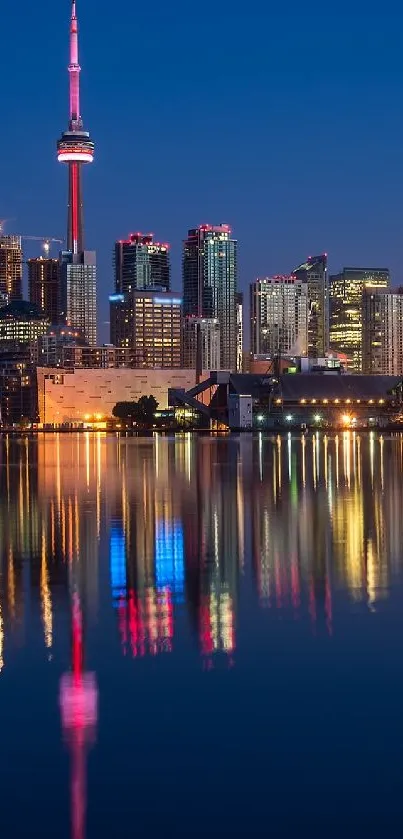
96,391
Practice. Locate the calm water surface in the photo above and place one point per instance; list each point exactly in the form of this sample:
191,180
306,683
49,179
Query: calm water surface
201,637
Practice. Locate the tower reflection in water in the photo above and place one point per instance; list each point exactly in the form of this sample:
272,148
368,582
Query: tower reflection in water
78,700
181,522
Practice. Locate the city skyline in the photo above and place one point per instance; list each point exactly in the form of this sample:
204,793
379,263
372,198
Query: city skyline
362,234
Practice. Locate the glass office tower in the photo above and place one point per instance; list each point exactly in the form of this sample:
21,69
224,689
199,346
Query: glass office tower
314,273
346,309
210,283
141,263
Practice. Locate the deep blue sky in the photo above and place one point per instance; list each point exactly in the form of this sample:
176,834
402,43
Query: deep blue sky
284,120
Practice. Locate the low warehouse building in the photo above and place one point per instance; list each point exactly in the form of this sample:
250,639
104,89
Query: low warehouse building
312,399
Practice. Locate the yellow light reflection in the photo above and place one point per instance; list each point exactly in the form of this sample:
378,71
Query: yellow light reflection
46,597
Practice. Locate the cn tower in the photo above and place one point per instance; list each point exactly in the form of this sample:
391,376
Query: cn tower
75,146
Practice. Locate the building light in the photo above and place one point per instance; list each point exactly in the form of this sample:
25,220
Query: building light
317,417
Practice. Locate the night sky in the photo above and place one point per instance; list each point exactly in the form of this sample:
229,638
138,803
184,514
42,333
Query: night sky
284,120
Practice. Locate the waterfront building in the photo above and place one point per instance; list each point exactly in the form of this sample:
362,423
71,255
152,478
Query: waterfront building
78,292
382,331
18,393
10,267
201,343
305,399
279,316
140,263
210,283
149,322
346,291
313,272
79,395
44,286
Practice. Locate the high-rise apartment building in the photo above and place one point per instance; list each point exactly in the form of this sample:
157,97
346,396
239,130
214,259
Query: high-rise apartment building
313,272
78,292
44,286
150,323
141,263
279,316
382,331
239,332
346,290
11,267
210,283
201,343
21,323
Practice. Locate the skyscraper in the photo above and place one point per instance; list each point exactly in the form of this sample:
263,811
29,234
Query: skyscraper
11,267
78,292
210,283
75,146
44,286
346,290
141,263
150,323
239,332
279,316
314,274
382,331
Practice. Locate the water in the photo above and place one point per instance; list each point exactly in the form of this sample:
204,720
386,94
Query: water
232,611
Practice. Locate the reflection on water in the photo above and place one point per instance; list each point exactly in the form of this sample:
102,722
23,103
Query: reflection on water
316,514
174,531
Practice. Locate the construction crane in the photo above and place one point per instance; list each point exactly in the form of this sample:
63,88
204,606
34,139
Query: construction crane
3,221
46,241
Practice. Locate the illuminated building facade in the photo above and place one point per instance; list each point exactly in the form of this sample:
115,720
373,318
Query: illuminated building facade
141,263
279,316
11,267
313,272
239,332
149,323
201,335
21,323
346,291
78,292
44,286
210,283
382,331
83,392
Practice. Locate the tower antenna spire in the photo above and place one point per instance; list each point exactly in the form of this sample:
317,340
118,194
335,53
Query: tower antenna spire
74,70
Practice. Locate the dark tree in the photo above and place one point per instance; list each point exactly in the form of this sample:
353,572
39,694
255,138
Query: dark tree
139,413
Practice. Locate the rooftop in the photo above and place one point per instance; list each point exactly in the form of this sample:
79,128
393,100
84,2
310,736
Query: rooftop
21,310
297,386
